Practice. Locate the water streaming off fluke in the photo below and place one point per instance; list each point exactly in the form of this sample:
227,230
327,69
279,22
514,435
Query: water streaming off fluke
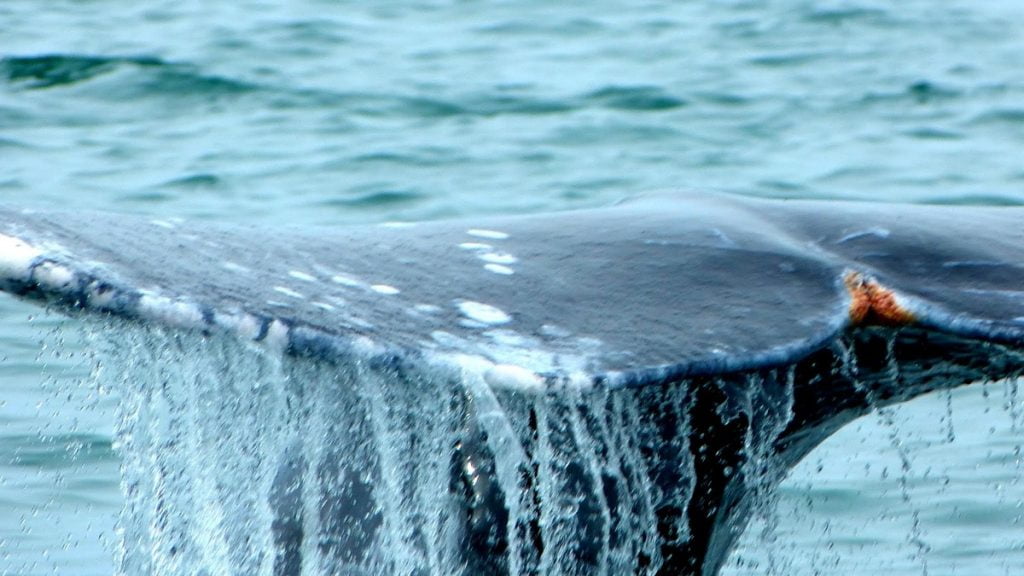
239,461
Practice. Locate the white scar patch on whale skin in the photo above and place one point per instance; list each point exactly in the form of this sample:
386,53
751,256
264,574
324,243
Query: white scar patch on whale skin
385,289
288,292
302,276
477,246
498,258
171,312
324,306
345,280
446,338
228,265
489,234
162,224
246,326
53,276
336,301
554,331
16,257
511,377
499,269
482,314
359,323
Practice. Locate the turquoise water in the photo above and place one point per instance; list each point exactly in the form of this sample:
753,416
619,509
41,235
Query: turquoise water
331,113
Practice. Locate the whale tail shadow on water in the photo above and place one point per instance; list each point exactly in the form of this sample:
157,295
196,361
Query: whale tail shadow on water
605,391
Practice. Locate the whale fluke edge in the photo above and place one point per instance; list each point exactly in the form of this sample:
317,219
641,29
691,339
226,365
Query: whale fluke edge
602,391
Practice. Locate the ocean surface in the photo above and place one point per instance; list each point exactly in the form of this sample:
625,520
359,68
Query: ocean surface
329,113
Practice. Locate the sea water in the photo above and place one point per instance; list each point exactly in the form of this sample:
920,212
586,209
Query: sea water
332,113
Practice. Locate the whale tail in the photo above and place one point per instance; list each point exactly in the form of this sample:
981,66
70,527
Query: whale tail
603,391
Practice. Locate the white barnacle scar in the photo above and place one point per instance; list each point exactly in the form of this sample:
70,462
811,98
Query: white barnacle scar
483,314
512,377
16,257
489,234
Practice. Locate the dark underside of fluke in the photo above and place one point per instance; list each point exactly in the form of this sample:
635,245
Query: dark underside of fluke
661,364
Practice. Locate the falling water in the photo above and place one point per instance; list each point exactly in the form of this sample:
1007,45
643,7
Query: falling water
928,526
885,413
239,461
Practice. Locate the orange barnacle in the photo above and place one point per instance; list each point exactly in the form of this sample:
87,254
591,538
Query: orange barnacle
872,303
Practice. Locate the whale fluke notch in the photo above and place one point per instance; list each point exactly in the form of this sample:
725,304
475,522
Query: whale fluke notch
614,387
872,303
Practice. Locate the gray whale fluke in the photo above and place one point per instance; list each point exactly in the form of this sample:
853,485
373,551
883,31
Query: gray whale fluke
596,391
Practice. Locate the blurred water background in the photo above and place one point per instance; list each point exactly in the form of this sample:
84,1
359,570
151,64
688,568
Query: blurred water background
305,112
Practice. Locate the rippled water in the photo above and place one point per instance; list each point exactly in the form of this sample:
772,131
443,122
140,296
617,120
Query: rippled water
330,113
